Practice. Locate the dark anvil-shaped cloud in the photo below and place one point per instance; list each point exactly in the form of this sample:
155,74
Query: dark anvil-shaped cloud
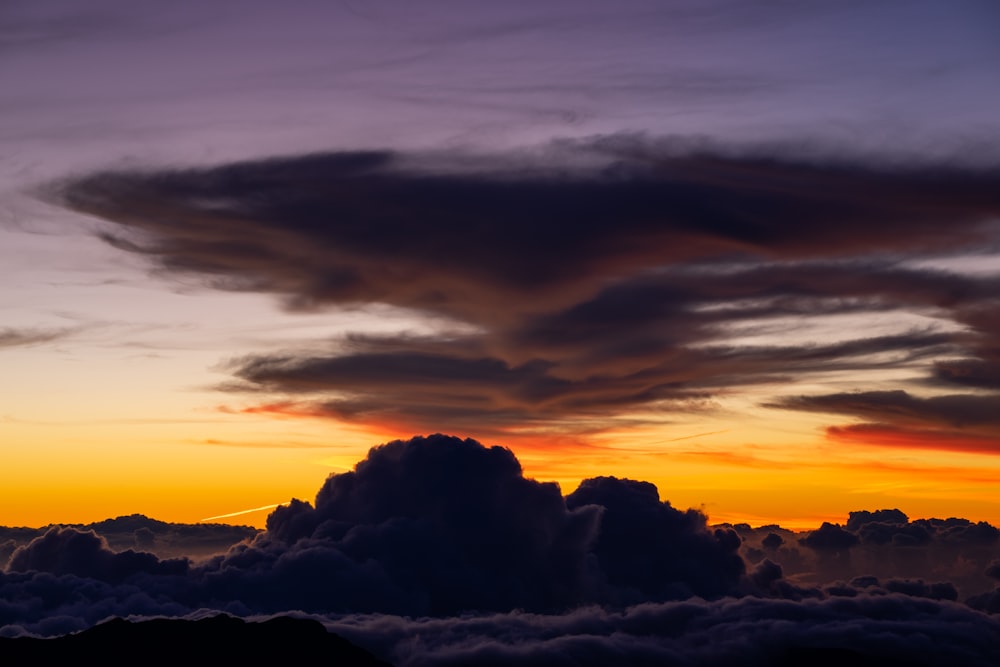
417,231
592,279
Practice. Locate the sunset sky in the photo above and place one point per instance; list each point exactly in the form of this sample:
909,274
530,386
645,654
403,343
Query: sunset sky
749,252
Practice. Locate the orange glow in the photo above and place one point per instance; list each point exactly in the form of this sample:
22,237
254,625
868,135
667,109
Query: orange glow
234,461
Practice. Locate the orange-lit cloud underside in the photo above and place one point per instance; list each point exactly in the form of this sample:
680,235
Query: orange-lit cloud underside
885,435
691,319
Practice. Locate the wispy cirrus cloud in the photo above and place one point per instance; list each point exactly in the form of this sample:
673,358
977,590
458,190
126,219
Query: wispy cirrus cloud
24,337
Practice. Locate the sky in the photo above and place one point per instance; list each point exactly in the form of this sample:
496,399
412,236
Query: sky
748,252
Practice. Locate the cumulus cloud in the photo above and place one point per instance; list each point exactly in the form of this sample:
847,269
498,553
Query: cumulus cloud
141,533
63,551
878,546
651,551
438,551
830,537
442,525
593,278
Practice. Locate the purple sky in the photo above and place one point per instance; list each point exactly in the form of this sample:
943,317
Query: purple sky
111,84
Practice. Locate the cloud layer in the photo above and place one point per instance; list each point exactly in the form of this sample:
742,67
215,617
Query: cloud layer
438,551
588,279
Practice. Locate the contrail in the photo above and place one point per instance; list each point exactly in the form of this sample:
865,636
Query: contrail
689,437
255,509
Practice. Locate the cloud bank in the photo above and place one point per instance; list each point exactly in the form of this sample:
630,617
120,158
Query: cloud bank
437,551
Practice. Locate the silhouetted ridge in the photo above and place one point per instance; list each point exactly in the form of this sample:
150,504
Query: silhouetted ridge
808,656
222,640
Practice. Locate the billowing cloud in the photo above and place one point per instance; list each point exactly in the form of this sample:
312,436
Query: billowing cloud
140,533
910,556
437,233
438,551
830,537
62,551
648,550
442,525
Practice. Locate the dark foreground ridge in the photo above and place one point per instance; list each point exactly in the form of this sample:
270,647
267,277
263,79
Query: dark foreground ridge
219,639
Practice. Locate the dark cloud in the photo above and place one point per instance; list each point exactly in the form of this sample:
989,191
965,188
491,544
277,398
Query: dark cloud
11,337
62,551
452,524
772,541
170,540
935,591
856,520
890,629
593,278
830,537
981,367
971,373
137,532
651,551
442,525
986,602
954,421
419,387
438,551
417,231
882,545
957,411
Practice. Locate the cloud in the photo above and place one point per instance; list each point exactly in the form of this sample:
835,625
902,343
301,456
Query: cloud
884,545
891,629
437,550
956,411
896,418
62,551
137,532
651,551
441,525
591,278
432,525
830,537
12,337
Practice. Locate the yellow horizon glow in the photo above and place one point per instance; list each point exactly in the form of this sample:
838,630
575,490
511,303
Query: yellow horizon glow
747,468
